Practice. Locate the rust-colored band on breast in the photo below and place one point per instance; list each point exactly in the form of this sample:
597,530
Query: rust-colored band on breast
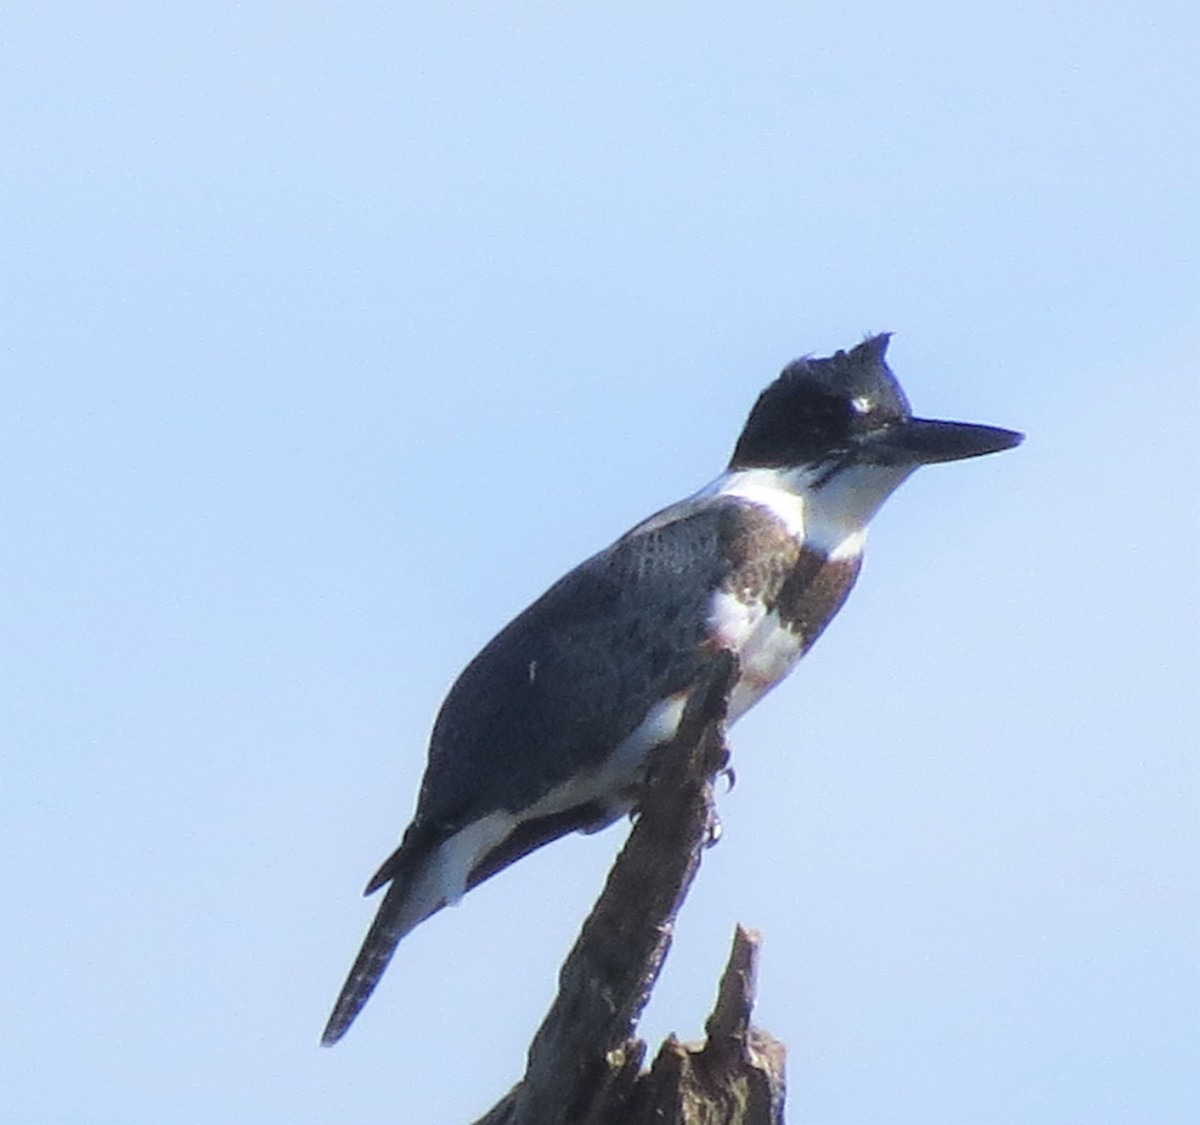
814,591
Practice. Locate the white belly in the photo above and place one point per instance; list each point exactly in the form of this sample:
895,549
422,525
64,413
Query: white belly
767,650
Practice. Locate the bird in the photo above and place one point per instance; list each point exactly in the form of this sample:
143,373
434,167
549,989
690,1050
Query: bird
548,730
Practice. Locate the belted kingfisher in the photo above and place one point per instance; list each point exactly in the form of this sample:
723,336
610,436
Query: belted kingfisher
549,729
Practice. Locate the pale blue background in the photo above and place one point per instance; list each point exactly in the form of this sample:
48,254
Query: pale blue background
332,335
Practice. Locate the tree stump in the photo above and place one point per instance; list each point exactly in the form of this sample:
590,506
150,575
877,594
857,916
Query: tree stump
585,1062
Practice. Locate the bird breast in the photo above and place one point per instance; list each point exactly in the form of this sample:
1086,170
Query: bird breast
773,627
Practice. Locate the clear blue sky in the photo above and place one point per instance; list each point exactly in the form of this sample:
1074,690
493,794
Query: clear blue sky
333,334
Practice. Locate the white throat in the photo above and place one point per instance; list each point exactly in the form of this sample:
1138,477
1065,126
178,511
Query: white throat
831,517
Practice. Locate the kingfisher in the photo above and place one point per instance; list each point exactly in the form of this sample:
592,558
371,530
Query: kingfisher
550,728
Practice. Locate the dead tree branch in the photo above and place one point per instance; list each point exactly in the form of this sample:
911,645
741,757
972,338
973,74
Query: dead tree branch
584,1065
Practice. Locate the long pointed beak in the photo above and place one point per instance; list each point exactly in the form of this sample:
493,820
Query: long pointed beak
923,441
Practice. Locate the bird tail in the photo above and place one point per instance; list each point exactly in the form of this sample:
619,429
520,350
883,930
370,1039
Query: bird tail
413,896
431,870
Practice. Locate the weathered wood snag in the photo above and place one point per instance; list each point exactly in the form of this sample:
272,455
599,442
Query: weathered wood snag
585,1062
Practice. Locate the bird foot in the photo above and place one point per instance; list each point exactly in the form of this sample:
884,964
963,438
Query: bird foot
714,829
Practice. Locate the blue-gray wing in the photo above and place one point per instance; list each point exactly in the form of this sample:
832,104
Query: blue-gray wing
558,689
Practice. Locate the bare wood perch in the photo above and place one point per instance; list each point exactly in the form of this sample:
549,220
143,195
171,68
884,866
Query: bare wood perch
584,1065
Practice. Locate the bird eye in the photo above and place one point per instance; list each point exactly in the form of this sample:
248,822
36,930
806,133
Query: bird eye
861,404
